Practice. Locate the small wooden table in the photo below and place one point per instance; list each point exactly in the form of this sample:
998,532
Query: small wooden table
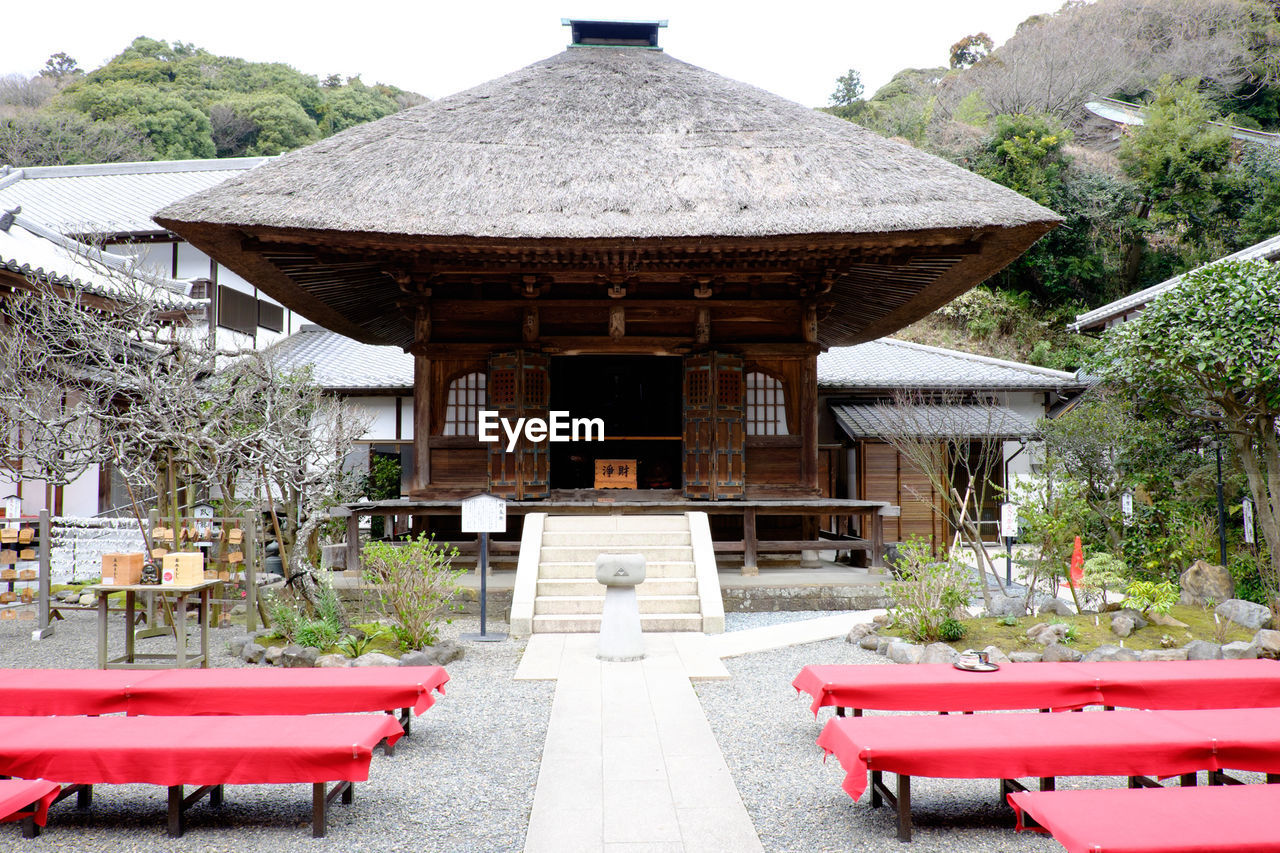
176,593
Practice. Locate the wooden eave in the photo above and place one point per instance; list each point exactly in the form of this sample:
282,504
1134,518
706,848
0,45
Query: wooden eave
356,283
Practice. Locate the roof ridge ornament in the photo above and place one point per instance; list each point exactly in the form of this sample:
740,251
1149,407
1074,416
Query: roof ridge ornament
6,220
614,33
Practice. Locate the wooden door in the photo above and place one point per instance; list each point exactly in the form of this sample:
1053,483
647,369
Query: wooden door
519,387
714,427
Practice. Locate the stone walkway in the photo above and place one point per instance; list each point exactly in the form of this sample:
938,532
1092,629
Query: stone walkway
630,763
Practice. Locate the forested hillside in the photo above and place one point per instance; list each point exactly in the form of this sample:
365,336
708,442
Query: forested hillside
1140,203
173,101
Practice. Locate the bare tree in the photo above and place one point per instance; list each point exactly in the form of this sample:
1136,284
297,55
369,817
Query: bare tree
956,442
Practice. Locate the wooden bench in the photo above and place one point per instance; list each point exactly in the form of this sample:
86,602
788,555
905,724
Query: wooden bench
27,801
1136,744
206,752
1171,820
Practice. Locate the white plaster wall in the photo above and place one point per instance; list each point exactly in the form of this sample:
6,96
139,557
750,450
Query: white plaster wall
406,418
80,497
382,414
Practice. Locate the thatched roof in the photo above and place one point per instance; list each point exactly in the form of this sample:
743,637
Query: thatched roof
609,161
607,143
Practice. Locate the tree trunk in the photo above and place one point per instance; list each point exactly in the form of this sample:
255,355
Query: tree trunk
1261,463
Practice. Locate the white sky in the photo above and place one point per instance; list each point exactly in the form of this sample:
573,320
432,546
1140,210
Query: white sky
796,49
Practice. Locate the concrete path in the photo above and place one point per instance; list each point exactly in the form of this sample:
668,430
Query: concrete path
630,763
786,634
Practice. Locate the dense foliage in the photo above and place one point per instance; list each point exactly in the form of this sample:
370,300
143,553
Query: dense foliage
157,100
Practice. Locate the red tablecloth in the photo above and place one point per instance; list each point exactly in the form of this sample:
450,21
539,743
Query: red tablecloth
1170,685
303,690
1149,820
942,687
187,751
1011,746
17,794
185,692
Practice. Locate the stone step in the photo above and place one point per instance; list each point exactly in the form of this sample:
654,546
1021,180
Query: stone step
583,569
590,586
582,624
584,523
594,604
588,554
615,541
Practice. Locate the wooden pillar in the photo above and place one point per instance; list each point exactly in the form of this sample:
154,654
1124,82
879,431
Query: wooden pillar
877,540
702,327
749,542
353,543
807,400
421,422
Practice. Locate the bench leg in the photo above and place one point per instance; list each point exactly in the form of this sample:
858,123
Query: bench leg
904,807
876,799
318,804
215,797
1273,778
839,711
30,829
176,811
84,796
1048,783
1187,780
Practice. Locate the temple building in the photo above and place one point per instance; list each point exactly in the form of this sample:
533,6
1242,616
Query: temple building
615,234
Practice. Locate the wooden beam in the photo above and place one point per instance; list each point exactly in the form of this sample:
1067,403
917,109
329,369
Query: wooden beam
807,399
422,393
749,543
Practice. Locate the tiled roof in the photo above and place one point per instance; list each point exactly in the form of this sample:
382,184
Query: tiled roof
111,198
888,363
877,421
339,363
32,251
1268,249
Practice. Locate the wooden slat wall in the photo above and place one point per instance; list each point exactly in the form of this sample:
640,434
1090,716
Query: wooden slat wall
886,476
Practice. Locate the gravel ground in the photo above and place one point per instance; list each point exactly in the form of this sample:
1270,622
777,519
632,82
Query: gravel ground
463,781
767,734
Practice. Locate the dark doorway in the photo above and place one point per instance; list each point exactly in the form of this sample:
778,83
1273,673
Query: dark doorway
639,398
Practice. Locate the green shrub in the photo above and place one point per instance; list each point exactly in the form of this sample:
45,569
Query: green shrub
415,585
951,630
353,645
317,633
1145,596
926,593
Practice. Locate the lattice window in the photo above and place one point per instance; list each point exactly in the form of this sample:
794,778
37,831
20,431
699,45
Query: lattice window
466,398
766,405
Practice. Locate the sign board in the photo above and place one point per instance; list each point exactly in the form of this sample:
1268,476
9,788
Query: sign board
12,510
1009,520
202,512
484,514
1247,518
1126,506
615,473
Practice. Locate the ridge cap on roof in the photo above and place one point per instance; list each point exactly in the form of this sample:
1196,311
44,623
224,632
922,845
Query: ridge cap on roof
1140,297
144,167
982,359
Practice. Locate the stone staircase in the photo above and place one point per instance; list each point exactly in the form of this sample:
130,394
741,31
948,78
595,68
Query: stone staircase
568,599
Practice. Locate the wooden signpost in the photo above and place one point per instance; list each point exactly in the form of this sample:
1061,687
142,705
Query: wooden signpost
615,474
484,514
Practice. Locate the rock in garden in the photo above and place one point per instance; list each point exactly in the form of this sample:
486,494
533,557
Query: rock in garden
1007,605
857,632
1246,613
1056,652
273,655
1049,634
299,656
263,633
89,598
939,653
900,652
1055,607
252,653
375,659
333,661
1204,582
882,646
1109,653
239,610
1163,654
69,595
1239,650
880,619
1025,657
1203,650
1139,620
445,651
870,642
417,658
1166,621
995,655
1121,626
237,643
1267,643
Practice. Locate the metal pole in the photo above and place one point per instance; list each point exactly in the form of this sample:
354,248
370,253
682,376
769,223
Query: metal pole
1008,561
484,582
1222,513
